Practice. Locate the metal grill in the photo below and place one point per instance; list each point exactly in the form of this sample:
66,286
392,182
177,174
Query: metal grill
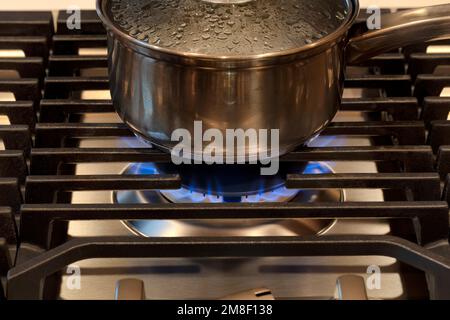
406,123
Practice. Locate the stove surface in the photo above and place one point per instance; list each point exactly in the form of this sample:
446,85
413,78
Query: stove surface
304,278
67,150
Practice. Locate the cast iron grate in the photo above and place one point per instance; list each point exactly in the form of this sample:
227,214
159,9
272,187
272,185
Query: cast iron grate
406,122
21,76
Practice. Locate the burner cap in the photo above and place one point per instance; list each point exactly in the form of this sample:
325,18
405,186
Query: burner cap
227,181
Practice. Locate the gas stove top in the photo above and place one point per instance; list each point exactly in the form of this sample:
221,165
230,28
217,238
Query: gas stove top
81,196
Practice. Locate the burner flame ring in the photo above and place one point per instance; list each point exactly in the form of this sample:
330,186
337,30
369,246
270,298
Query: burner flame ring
260,227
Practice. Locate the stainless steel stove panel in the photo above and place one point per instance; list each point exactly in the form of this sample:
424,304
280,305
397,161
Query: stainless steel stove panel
214,278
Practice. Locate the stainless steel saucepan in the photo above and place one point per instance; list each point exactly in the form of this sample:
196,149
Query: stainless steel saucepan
247,64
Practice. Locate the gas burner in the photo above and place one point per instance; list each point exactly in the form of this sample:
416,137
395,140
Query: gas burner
232,182
183,195
218,184
272,190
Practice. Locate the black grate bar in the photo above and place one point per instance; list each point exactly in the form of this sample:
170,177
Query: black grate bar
31,213
423,63
26,23
443,161
26,281
439,134
424,186
5,265
19,112
2,292
407,132
13,164
42,189
432,217
47,161
401,108
5,260
70,44
430,85
10,195
16,137
394,85
69,65
62,87
414,158
26,67
51,135
59,110
8,230
23,89
447,190
435,108
388,63
422,47
31,46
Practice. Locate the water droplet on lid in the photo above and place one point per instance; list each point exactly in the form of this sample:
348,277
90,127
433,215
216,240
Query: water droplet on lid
340,15
143,37
317,36
155,40
134,32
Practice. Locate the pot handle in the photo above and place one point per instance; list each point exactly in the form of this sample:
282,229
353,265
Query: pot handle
401,29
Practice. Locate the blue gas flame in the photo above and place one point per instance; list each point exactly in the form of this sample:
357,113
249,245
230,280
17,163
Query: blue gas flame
189,195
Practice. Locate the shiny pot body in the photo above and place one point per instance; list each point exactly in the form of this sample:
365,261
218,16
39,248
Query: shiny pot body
156,97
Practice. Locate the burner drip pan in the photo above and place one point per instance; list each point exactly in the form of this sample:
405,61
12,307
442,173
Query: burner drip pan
227,228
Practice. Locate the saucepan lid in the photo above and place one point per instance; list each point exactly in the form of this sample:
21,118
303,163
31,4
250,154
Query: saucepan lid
226,28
